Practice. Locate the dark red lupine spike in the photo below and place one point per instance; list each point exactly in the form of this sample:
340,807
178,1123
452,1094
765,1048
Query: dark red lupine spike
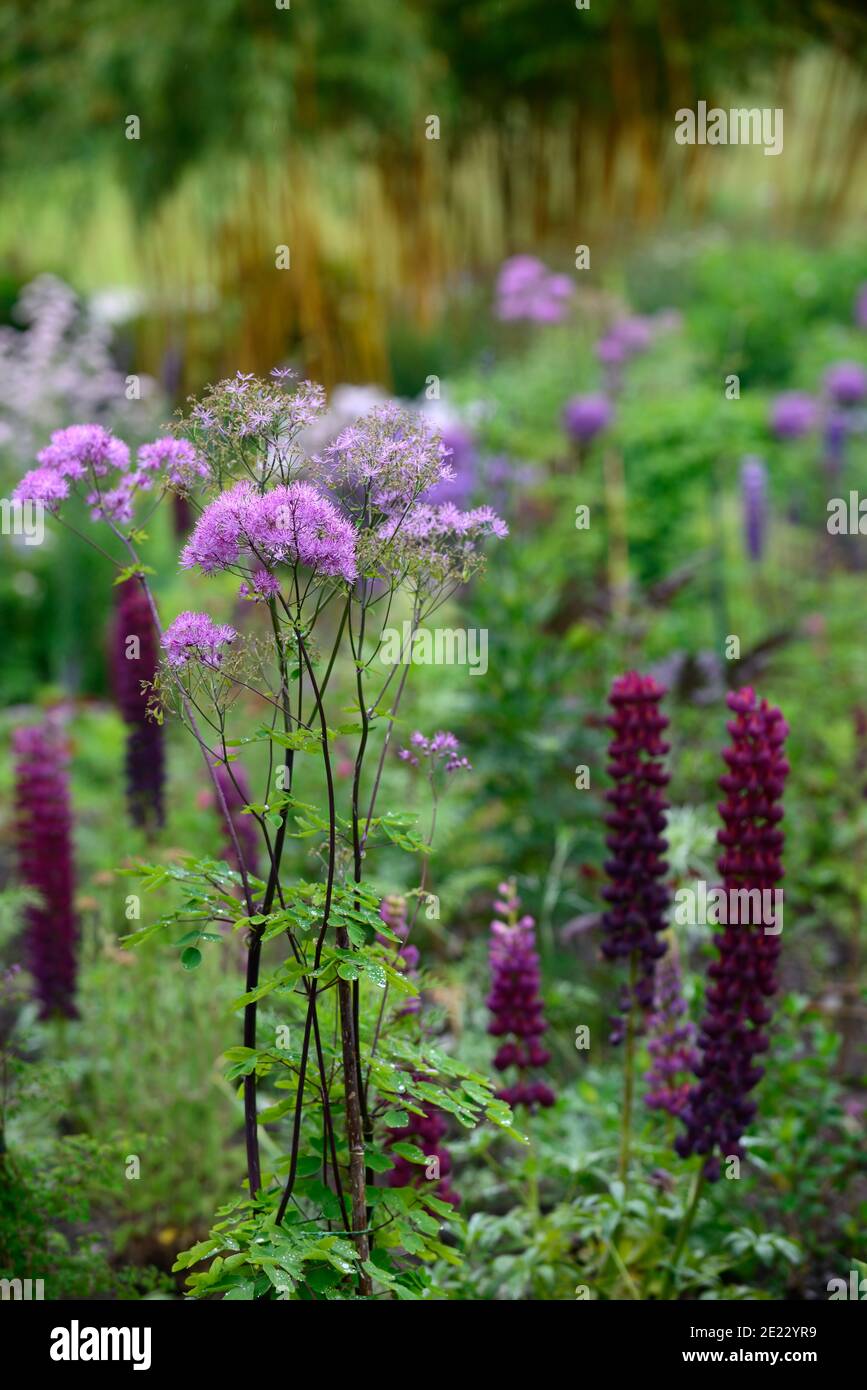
135,655
515,1004
44,840
637,896
736,1010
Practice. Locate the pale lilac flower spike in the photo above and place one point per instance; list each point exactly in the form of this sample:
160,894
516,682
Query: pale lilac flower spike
196,637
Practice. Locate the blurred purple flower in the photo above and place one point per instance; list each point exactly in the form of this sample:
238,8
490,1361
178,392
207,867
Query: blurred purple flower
794,414
528,290
754,499
586,416
233,783
846,383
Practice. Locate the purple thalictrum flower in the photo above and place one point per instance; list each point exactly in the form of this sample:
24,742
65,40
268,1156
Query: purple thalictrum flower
196,637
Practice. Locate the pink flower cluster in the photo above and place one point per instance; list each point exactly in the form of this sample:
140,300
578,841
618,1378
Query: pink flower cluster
293,523
390,456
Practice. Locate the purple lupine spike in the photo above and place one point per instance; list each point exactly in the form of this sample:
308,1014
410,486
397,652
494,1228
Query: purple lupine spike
670,1042
135,656
45,863
392,910
637,898
517,1012
236,792
742,980
754,498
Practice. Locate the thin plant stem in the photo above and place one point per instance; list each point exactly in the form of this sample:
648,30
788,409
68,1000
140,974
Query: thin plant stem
683,1234
628,1075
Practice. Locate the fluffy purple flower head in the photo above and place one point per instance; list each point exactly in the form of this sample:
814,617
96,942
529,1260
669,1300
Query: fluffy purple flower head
742,980
78,450
292,523
846,383
44,839
586,416
794,414
515,1004
42,486
389,458
611,351
176,459
637,900
443,750
261,586
196,637
754,497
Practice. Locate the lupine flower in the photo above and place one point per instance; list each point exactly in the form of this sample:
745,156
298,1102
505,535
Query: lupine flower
292,523
392,910
134,660
754,498
236,794
440,751
846,383
794,414
517,1011
527,289
427,1131
742,980
44,837
836,435
196,637
671,1042
861,307
638,900
586,416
